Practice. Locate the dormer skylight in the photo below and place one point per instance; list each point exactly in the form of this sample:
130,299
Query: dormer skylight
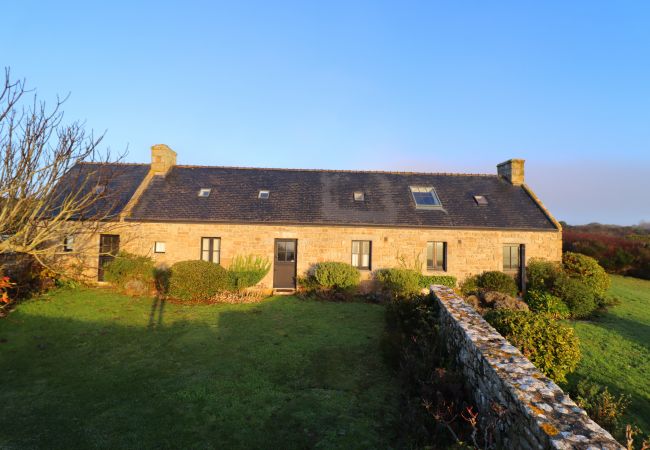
264,194
425,197
99,189
481,200
204,192
359,196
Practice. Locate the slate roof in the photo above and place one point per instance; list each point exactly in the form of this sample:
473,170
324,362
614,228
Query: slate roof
326,198
120,181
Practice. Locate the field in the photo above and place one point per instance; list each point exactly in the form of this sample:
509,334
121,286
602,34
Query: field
93,369
616,347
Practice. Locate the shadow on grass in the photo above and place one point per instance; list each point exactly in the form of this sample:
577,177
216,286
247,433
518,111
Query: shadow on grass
260,377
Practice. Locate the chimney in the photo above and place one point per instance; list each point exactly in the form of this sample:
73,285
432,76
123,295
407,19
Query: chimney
512,170
163,158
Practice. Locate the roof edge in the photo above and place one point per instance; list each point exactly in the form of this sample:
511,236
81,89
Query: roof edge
541,206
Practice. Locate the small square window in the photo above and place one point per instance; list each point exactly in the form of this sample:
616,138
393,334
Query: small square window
68,244
425,197
359,196
481,200
264,195
159,247
99,189
204,192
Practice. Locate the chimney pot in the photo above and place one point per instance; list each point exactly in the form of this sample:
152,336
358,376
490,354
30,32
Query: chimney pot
512,170
163,159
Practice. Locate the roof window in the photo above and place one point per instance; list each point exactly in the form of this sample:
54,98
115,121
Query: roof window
204,192
481,200
425,197
264,194
99,189
359,196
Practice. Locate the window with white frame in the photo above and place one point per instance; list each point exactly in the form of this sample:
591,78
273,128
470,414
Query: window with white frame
159,247
211,249
361,254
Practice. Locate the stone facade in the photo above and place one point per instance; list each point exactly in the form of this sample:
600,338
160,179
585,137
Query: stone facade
468,251
534,413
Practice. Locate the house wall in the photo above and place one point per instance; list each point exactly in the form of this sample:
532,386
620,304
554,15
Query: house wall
468,251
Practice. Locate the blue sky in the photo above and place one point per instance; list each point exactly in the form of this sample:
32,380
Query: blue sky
426,86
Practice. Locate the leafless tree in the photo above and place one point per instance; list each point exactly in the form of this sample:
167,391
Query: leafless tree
44,196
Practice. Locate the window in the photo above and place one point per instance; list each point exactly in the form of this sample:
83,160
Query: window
159,247
359,196
204,192
264,195
68,244
425,197
211,249
286,251
361,254
481,200
437,256
511,257
99,189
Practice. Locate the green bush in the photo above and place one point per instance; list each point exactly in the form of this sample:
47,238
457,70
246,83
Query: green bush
553,347
579,297
399,282
445,280
246,271
605,408
542,274
587,270
497,281
544,302
128,269
335,275
469,286
197,280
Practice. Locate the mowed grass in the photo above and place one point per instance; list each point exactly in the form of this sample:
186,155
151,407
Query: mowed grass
93,369
616,347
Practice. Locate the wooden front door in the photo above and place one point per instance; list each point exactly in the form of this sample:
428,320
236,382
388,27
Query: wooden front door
284,263
109,246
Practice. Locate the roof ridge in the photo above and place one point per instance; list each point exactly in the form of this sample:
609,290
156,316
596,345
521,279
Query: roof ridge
113,163
394,172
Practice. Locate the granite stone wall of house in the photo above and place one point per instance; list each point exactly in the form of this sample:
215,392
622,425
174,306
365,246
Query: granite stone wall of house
468,251
523,408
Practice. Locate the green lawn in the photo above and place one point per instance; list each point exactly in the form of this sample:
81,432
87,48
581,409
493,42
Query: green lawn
93,369
616,347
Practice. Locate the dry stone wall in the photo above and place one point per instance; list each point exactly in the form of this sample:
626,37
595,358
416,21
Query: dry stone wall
528,410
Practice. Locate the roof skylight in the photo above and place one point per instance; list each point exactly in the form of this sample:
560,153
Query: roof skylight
264,194
204,192
481,200
359,196
425,197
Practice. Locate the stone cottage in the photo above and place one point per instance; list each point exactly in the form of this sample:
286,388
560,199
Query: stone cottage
452,224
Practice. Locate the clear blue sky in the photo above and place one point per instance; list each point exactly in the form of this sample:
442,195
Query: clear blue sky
427,86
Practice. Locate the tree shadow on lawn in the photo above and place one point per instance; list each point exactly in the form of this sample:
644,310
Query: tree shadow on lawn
631,330
250,378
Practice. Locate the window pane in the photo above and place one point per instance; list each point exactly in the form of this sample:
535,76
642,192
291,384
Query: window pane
205,244
506,257
365,260
355,247
216,257
514,257
216,244
282,246
429,255
205,255
282,255
355,259
290,256
290,246
440,255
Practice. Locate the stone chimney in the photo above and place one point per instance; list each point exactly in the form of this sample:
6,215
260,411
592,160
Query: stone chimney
163,158
512,170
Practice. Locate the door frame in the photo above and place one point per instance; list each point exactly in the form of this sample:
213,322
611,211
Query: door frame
295,262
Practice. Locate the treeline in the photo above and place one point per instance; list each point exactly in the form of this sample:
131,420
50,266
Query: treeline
623,250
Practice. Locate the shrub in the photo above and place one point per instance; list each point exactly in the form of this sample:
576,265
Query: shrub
132,273
469,286
197,280
445,280
587,270
579,297
399,282
246,271
335,275
551,346
603,407
542,274
497,281
544,302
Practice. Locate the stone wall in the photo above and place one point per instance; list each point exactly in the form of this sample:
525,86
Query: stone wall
468,251
535,412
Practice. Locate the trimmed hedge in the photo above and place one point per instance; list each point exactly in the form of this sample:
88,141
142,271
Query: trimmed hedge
127,268
553,348
578,296
247,271
399,282
197,280
544,302
587,270
335,275
542,274
444,280
497,281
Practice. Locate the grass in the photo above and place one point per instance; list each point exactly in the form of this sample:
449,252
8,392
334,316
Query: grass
616,347
94,369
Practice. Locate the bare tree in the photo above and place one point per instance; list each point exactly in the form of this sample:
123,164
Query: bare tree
47,188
